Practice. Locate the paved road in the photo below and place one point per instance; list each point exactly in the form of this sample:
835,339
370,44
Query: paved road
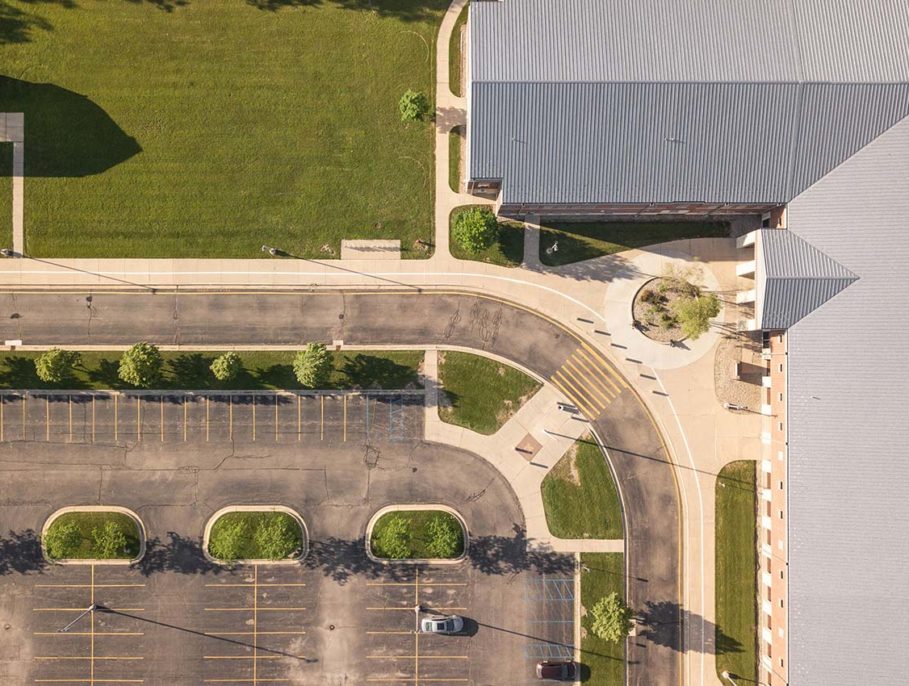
638,455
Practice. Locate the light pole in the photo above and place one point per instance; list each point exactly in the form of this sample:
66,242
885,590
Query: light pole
91,609
726,675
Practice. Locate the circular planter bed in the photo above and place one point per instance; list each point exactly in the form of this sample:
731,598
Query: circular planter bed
96,535
416,533
258,533
653,309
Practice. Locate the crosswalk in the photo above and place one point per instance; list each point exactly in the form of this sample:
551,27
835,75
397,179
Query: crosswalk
589,381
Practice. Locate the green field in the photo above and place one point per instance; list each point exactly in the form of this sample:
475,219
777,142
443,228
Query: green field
206,128
482,394
736,570
262,370
580,497
86,523
584,241
602,574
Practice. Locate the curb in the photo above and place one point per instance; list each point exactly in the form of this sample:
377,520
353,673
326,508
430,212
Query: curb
417,508
255,508
140,526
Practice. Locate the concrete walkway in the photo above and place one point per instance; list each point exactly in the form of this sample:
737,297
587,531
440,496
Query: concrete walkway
539,422
12,130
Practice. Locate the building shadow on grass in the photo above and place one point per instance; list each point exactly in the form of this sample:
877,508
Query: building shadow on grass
405,10
66,134
20,553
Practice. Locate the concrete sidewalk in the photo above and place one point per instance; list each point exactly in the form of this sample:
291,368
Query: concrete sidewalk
542,421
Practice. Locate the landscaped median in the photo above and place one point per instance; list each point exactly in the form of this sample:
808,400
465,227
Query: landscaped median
93,534
416,534
256,534
601,575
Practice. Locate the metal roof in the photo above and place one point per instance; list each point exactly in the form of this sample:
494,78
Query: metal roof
589,101
848,430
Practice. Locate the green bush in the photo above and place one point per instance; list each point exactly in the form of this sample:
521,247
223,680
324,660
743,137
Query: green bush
226,367
55,365
62,540
446,539
227,539
141,365
611,618
414,105
393,539
110,539
694,313
475,229
312,366
277,537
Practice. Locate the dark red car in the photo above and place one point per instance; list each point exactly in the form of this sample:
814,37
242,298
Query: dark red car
557,670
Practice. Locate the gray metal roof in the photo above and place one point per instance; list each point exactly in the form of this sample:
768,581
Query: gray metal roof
796,279
848,430
586,101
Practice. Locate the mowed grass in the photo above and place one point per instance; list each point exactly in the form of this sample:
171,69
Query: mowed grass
580,496
262,370
455,136
219,125
86,523
603,573
454,53
584,241
481,394
507,251
736,569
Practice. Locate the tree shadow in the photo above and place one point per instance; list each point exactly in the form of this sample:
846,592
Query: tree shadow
177,554
502,555
276,375
66,133
20,553
405,10
368,371
192,370
20,373
661,623
107,374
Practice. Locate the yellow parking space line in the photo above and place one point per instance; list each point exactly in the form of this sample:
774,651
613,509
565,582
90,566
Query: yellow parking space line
253,633
393,633
258,680
413,583
413,657
276,417
255,621
86,657
89,681
345,418
88,633
89,585
230,417
592,394
299,418
254,419
410,609
116,418
605,364
161,406
47,418
249,657
139,418
322,418
185,416
70,399
596,374
207,415
82,609
261,609
579,398
24,415
249,584
422,679
93,419
1,418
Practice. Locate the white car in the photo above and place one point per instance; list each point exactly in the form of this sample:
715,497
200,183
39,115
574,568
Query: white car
442,624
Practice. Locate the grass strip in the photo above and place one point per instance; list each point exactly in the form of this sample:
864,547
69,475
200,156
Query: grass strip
87,523
580,496
481,394
603,662
455,136
736,569
454,53
262,370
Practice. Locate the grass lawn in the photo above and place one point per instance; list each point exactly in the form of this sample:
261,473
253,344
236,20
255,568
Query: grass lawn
454,53
583,241
247,546
205,128
455,136
604,659
736,569
482,394
263,370
508,251
417,522
580,497
87,522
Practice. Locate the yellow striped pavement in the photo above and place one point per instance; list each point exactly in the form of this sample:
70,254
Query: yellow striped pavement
589,381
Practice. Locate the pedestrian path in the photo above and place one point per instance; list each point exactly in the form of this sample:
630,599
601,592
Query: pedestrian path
523,450
12,130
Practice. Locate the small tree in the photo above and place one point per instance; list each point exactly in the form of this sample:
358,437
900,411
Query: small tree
141,365
226,367
694,314
475,229
611,618
110,540
392,540
62,540
414,105
55,365
277,537
227,539
445,536
312,365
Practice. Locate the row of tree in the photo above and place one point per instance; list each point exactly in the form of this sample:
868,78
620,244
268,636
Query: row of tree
142,365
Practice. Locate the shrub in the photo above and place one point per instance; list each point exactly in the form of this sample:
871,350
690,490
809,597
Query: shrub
227,539
312,366
445,536
667,321
226,367
392,540
110,540
475,229
611,618
141,365
694,314
62,539
649,296
277,537
55,365
413,105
